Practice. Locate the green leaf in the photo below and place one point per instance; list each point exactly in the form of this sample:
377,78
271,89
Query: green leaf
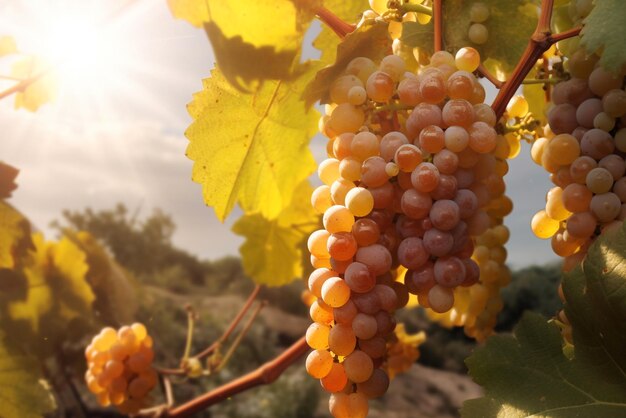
14,236
536,97
530,375
250,149
604,33
596,305
510,25
274,250
7,46
22,395
371,41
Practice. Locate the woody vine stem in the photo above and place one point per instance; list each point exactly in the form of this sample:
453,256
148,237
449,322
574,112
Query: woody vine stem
539,42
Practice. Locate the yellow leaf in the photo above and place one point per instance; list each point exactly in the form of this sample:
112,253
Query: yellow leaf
42,91
7,45
273,251
14,236
193,11
69,279
537,104
250,149
279,23
55,282
39,298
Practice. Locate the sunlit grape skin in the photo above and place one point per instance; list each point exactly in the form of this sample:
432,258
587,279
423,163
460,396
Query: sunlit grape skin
120,367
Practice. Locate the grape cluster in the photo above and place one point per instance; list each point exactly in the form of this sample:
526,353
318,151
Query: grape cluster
583,149
120,369
477,32
413,180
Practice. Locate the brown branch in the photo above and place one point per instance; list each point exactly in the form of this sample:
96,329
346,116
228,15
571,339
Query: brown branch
265,374
570,33
23,85
482,70
438,19
540,41
334,22
232,325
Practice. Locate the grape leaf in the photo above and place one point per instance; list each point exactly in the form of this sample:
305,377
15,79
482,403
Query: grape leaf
14,236
239,34
55,279
115,301
327,40
371,41
7,46
193,11
40,92
604,33
67,277
22,395
250,148
530,374
513,21
536,97
7,180
273,251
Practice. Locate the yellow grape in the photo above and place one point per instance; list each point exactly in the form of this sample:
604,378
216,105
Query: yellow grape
543,226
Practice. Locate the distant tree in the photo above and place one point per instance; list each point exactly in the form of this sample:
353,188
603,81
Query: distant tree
142,246
532,289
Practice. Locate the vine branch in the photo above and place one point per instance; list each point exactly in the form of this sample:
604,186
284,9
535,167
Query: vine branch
438,21
482,70
23,85
540,41
232,325
265,374
340,27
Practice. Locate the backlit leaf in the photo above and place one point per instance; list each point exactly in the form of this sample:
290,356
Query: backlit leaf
327,40
250,149
513,21
371,41
273,251
604,33
42,91
240,35
14,236
7,45
22,394
7,180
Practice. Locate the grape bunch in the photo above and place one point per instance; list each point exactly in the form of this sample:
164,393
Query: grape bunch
413,180
478,32
583,149
120,369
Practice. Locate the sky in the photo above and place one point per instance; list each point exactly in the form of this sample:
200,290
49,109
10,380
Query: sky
116,132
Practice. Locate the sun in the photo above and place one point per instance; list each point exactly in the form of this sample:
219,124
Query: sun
87,44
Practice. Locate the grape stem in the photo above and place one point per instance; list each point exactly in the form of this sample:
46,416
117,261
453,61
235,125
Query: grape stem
240,336
209,350
542,80
334,22
419,8
265,374
438,19
482,70
540,41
